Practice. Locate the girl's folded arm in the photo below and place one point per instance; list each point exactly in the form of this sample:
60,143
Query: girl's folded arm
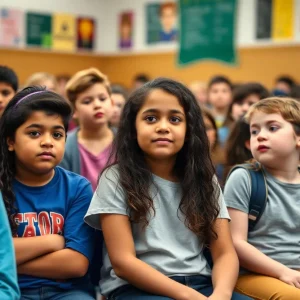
224,255
250,257
28,248
120,246
62,264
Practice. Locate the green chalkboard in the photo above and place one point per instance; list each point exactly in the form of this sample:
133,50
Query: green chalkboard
207,31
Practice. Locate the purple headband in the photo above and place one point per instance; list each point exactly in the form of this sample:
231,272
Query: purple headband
38,92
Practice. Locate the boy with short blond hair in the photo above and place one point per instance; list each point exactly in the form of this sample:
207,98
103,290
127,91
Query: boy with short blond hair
270,253
88,146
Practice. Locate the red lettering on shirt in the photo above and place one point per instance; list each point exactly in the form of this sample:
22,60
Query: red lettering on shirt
30,228
57,223
44,223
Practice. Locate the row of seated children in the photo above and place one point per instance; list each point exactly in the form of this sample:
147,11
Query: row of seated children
160,148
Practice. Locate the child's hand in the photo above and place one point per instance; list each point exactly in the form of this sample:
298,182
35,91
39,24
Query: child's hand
290,277
194,295
57,241
215,296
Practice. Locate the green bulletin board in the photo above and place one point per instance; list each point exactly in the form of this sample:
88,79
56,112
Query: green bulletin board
207,31
39,28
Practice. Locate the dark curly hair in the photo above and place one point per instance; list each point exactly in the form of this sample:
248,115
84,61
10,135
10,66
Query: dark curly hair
15,114
193,166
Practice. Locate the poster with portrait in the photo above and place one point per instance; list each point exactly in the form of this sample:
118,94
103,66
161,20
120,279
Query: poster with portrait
126,30
85,33
161,21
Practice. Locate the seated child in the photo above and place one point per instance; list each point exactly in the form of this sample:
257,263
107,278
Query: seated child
9,289
160,204
270,253
45,203
88,147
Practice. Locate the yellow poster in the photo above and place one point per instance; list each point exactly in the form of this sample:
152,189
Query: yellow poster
283,19
64,32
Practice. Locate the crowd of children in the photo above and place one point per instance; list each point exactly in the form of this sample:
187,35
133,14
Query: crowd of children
119,192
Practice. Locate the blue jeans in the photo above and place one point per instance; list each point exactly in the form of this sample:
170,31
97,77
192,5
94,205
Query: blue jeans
54,293
202,284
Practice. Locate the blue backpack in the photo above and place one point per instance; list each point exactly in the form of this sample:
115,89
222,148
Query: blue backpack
259,192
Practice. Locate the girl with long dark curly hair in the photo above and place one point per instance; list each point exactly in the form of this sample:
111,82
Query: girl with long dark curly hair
159,204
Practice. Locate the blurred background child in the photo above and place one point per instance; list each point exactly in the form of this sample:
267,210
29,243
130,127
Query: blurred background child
244,96
43,79
220,97
199,89
88,147
217,153
237,149
8,86
119,98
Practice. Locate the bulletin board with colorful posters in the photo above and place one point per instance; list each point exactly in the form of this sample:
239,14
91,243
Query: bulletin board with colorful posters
161,23
11,27
85,33
64,32
38,30
126,30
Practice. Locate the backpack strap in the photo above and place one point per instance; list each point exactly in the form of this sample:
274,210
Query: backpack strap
259,192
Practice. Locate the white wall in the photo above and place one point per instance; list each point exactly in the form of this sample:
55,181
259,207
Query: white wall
106,12
245,29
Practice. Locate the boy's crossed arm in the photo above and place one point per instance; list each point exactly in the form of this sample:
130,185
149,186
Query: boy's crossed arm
30,248
62,264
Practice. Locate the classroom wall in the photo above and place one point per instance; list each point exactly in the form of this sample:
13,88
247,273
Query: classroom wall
261,64
26,62
259,61
245,27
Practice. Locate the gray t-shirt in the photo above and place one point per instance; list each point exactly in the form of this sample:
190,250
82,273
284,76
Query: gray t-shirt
277,233
166,244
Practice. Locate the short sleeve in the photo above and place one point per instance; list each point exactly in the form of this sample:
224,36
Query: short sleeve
238,190
109,198
78,235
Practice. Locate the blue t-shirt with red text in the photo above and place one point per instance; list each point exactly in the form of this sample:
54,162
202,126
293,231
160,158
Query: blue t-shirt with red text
55,208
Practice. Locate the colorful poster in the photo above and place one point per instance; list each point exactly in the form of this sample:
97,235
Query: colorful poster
39,28
161,22
11,27
283,19
64,32
85,33
125,30
207,31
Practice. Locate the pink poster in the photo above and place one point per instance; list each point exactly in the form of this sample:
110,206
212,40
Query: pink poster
11,27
